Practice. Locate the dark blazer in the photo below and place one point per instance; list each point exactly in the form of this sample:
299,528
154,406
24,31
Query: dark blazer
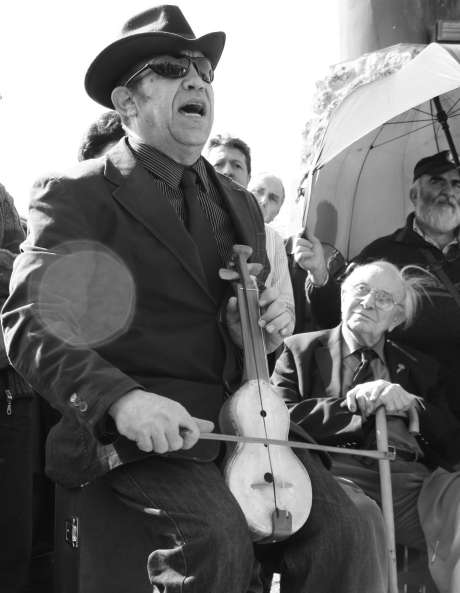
105,248
309,377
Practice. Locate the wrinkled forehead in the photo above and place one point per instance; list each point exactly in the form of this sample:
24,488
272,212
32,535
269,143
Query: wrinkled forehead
223,151
270,183
377,277
450,175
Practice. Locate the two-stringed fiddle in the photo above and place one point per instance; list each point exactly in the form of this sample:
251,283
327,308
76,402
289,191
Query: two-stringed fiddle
269,482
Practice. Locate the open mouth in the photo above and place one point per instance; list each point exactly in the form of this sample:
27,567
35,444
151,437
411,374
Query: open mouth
193,108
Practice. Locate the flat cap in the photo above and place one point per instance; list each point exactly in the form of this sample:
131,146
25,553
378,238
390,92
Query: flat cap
434,164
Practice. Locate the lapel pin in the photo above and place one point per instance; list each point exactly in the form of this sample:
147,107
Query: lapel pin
400,368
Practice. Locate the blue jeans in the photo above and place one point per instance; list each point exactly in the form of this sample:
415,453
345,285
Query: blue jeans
200,542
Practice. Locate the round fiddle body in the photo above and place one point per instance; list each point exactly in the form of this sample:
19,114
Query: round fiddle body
269,482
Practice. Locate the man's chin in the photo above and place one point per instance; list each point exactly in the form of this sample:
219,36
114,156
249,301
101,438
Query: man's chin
192,136
444,222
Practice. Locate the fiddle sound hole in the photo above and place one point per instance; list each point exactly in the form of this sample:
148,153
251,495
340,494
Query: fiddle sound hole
268,477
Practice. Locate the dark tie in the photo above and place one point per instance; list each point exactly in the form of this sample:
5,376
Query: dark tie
200,230
364,372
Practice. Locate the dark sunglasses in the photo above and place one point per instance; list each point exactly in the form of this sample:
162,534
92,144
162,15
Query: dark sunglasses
176,67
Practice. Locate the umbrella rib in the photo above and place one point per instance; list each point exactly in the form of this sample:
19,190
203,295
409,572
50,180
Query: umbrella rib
407,121
373,145
418,110
435,131
452,107
454,115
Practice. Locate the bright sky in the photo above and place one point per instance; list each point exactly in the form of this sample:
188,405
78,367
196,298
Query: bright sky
263,86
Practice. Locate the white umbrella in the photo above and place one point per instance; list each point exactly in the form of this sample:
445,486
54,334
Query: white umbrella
381,121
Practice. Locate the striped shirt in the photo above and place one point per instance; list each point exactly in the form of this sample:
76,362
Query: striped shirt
279,272
168,175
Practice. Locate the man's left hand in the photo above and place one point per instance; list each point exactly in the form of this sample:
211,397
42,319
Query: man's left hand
367,397
275,319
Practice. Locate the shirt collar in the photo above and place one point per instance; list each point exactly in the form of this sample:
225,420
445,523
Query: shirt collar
351,344
417,229
163,166
200,168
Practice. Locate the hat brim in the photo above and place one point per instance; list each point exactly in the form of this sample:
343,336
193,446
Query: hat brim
119,57
435,170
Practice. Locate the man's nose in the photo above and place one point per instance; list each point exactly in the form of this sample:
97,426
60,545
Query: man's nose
192,79
262,199
453,189
368,301
227,170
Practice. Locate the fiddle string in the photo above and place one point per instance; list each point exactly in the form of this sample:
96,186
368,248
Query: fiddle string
252,324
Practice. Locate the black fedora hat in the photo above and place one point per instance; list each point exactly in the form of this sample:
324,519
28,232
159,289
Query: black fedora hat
159,30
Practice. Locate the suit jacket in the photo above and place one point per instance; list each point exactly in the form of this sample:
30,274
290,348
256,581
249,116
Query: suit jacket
309,377
109,295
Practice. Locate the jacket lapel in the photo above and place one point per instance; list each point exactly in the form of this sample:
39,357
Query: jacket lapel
135,192
329,361
243,217
398,363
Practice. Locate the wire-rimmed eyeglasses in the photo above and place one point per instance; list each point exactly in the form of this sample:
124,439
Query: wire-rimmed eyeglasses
383,300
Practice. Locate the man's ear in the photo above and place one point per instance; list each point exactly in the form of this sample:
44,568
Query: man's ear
398,318
413,193
123,101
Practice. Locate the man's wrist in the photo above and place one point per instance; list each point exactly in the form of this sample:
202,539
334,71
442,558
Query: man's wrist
318,280
115,407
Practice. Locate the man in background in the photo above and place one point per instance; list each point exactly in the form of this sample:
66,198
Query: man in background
269,192
231,156
21,462
101,136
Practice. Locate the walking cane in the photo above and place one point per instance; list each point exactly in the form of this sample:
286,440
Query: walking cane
386,490
387,496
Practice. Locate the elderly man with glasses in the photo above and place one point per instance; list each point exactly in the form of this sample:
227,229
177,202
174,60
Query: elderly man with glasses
333,380
231,156
118,316
429,239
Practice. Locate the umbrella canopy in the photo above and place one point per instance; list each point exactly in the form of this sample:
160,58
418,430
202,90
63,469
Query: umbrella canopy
381,125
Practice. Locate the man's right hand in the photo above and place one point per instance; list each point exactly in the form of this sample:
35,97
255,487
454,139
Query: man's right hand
156,423
309,255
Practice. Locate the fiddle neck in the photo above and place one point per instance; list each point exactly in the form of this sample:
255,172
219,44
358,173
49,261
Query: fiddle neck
255,358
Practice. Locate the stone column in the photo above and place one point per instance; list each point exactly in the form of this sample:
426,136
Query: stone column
367,25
